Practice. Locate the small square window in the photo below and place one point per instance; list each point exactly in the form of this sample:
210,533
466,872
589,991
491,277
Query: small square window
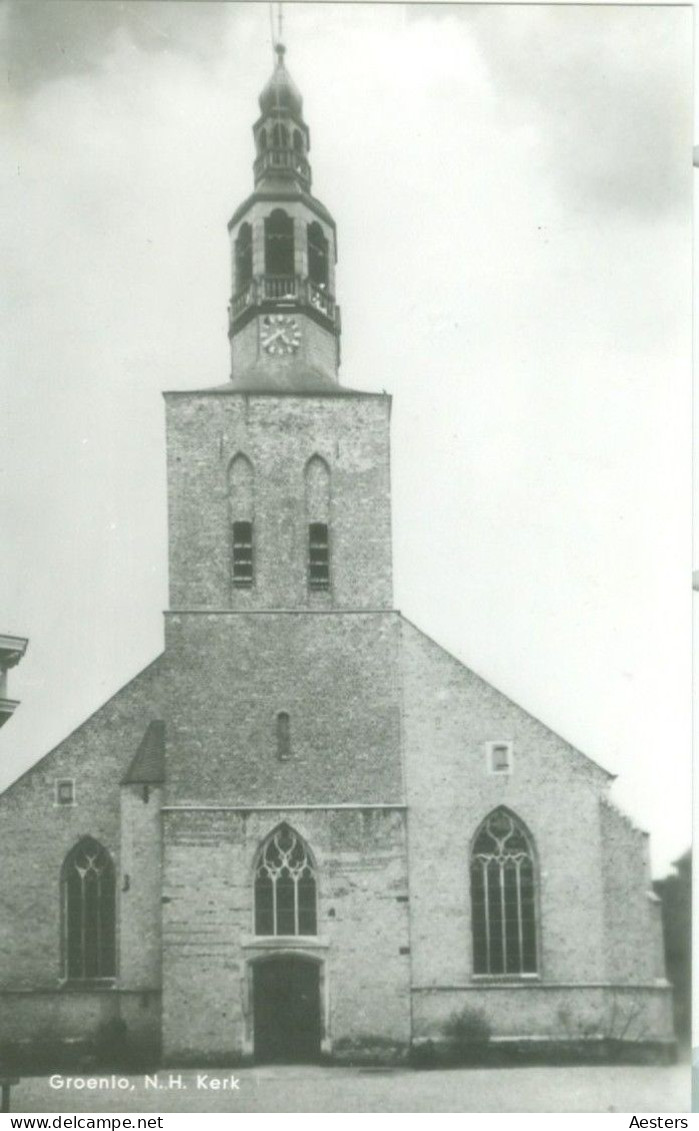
65,791
499,757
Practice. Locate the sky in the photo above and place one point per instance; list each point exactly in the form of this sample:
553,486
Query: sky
512,189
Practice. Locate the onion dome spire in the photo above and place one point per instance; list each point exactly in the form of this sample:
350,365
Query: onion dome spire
282,138
281,92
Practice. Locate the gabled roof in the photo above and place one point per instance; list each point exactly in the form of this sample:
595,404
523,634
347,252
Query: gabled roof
148,763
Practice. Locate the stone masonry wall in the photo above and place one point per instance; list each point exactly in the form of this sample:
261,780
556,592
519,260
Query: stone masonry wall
141,887
632,910
334,673
317,348
209,945
449,716
278,434
36,833
551,1012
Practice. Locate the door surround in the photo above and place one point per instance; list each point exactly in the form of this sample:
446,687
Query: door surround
258,950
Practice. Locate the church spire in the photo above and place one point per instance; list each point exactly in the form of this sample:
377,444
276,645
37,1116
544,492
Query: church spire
282,138
284,324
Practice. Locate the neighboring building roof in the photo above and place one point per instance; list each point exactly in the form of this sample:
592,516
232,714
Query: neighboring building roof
148,763
12,648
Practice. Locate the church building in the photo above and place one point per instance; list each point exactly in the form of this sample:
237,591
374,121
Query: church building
305,830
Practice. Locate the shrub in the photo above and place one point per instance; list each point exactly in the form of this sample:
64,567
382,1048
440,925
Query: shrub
112,1046
468,1034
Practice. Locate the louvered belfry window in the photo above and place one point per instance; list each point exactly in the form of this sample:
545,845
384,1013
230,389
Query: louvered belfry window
285,886
242,555
318,556
243,258
317,255
503,897
88,893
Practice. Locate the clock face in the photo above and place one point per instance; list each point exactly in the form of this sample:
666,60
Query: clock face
280,334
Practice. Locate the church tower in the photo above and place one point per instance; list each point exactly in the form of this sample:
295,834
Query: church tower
279,492
281,644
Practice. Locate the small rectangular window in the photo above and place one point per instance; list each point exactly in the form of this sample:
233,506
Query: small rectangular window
499,757
318,556
242,555
283,736
65,791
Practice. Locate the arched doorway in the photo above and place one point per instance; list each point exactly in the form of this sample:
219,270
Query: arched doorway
286,1009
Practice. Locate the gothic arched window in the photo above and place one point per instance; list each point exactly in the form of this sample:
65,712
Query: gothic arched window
317,255
317,489
298,141
279,244
241,489
263,139
243,258
285,886
88,894
503,897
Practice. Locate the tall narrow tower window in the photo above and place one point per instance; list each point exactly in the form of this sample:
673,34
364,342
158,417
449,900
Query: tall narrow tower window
241,505
317,487
280,136
242,555
318,556
243,258
283,736
298,141
317,255
279,244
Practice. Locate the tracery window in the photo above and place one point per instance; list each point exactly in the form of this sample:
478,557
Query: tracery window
88,899
285,886
503,898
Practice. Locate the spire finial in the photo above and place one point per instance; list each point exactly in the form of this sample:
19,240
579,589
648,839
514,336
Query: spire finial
277,45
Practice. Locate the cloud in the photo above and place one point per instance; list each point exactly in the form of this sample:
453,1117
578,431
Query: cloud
605,92
48,41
